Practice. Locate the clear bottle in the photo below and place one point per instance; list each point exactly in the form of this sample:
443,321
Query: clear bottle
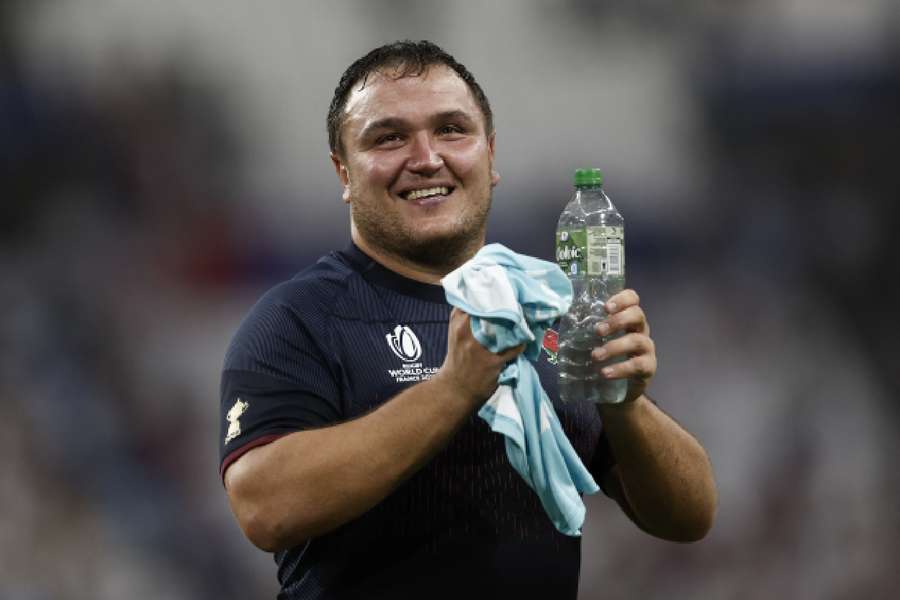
590,244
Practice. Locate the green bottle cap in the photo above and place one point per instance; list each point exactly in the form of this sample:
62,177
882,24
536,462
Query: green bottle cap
588,177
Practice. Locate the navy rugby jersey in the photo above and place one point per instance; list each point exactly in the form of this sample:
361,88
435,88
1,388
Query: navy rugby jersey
335,342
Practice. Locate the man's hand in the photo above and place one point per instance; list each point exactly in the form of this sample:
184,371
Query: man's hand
626,316
470,368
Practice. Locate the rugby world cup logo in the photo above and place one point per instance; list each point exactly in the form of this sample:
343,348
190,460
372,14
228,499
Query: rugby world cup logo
404,343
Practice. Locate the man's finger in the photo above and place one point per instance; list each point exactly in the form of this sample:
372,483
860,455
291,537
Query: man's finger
631,319
631,344
511,353
638,367
622,300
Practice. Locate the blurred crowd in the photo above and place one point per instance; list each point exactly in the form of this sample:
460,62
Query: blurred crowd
118,233
131,243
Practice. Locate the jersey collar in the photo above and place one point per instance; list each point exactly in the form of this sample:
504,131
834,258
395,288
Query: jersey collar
375,273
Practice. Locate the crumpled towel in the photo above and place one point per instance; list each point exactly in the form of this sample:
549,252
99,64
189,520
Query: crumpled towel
513,299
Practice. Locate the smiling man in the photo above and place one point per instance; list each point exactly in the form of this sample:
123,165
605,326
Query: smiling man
350,445
416,159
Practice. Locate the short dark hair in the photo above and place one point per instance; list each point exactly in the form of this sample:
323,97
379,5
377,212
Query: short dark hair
412,59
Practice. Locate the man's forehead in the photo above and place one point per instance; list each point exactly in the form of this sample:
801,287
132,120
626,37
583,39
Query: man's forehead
438,84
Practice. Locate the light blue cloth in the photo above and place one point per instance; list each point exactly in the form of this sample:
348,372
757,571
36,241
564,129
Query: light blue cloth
513,299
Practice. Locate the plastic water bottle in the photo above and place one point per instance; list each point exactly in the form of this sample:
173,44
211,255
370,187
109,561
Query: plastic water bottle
590,248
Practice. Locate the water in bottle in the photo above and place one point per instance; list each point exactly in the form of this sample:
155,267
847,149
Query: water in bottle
590,244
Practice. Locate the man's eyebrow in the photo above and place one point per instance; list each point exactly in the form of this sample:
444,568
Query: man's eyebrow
386,123
453,115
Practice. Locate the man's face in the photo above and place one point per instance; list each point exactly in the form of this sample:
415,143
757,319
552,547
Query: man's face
417,166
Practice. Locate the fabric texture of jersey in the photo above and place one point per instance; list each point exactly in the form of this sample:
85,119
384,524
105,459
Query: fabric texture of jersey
334,343
513,299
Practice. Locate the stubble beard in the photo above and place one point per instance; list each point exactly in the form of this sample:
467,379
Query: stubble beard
439,251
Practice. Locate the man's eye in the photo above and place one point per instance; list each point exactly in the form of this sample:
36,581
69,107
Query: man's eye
450,129
388,138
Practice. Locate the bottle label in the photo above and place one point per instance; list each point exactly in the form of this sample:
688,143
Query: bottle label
571,251
606,251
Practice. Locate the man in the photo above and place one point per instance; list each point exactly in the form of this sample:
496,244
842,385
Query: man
350,445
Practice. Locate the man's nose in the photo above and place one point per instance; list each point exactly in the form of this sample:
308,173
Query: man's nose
424,156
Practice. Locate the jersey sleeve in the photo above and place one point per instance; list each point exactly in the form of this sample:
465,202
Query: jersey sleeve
602,462
278,378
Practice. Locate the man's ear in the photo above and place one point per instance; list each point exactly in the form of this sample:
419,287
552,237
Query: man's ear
495,176
343,174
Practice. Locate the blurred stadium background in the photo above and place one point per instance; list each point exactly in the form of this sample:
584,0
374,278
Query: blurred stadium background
161,164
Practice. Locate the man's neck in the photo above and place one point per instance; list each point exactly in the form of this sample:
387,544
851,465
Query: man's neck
401,266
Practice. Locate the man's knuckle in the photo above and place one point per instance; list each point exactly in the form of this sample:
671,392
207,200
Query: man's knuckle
642,343
646,367
640,362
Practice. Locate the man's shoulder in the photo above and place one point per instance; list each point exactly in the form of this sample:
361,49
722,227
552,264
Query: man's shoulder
316,286
292,311
309,296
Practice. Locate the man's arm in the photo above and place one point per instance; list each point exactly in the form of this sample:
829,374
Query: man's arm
663,479
310,482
